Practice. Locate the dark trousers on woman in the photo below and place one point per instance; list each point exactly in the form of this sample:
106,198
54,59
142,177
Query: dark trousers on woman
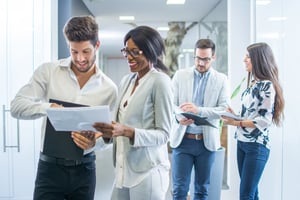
251,158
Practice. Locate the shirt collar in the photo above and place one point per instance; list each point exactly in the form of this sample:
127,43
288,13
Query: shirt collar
201,75
66,62
146,75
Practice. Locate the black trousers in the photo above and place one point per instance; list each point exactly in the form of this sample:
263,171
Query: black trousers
59,182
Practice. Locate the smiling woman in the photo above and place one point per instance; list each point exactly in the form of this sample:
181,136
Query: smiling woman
141,135
201,19
132,52
198,19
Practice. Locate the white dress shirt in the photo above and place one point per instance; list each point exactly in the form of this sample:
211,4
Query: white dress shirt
56,80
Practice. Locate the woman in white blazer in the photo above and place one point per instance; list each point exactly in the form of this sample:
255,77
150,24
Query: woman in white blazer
142,121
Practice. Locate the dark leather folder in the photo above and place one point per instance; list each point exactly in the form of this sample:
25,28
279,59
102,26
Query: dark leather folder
197,119
60,143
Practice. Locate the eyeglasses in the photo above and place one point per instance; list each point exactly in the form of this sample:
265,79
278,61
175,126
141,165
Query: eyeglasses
133,52
205,60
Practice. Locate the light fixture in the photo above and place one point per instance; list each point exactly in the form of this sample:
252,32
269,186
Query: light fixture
188,50
262,2
126,18
277,18
175,2
162,28
271,35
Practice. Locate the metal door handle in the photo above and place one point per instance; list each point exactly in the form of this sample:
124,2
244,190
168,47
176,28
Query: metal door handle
5,146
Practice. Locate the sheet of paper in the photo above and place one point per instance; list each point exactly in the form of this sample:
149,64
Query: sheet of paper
78,118
229,114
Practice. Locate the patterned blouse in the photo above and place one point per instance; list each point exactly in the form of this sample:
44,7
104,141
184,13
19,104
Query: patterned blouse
257,105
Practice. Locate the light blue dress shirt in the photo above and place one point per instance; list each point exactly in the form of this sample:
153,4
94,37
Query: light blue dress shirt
200,82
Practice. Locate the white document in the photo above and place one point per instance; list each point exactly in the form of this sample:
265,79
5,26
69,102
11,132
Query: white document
78,118
229,114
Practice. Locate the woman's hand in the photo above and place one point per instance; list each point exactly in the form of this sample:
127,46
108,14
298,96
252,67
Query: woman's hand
229,121
229,109
114,129
122,130
104,128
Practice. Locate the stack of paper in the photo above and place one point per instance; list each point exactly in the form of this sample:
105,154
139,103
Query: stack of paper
78,118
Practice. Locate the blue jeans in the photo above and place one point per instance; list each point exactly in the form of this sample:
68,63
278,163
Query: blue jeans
251,158
188,154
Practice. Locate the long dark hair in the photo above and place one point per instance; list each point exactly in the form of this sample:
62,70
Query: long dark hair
151,43
264,67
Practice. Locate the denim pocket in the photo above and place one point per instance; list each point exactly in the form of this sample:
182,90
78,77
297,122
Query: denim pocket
256,150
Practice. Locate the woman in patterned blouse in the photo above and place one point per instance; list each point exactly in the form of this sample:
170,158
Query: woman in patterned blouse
262,105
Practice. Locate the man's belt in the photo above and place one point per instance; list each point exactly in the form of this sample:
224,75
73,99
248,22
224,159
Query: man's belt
90,157
194,136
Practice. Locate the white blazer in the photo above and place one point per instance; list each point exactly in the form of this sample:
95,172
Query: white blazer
216,98
150,112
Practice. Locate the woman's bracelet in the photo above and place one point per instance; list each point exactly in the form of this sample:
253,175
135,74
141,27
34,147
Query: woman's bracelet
241,124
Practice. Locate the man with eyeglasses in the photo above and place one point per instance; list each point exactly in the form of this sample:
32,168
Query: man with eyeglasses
200,90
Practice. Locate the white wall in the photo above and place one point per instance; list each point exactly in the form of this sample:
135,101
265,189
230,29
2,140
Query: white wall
239,36
274,172
25,41
287,54
115,68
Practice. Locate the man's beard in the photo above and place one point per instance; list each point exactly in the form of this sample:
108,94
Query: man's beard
89,67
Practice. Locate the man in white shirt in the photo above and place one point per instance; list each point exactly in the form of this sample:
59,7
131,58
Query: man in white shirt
77,80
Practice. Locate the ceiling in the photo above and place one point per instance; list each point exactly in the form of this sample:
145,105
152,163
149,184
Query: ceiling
154,13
